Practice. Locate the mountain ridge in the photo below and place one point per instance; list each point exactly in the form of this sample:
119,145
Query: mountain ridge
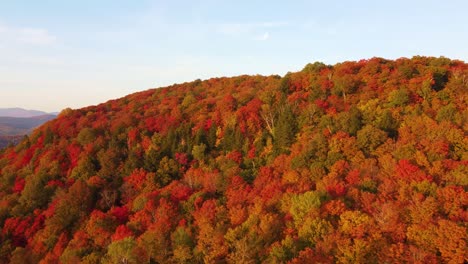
21,112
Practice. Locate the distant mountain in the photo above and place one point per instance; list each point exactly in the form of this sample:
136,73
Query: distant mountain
13,128
10,126
20,112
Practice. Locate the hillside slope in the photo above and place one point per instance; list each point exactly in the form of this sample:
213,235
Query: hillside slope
360,162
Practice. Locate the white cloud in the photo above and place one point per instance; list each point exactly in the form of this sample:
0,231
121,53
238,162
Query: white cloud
274,24
26,35
256,31
234,29
41,60
263,37
36,36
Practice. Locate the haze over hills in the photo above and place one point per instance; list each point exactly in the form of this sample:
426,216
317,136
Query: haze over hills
10,126
17,122
20,112
358,162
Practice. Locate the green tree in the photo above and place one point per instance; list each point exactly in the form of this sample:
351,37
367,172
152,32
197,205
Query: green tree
36,194
189,100
167,171
387,123
233,139
85,169
198,152
86,136
350,121
301,204
285,84
398,97
121,252
285,129
369,138
71,207
447,113
151,160
183,244
312,230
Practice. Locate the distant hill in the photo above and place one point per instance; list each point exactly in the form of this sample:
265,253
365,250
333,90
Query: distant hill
10,126
13,127
20,112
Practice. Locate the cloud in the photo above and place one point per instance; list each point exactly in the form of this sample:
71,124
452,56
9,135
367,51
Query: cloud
234,29
263,37
26,35
36,36
24,46
256,31
41,60
274,24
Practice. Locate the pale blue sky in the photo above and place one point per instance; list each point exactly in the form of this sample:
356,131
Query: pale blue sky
56,54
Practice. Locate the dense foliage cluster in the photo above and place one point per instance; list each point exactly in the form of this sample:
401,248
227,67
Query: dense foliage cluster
360,162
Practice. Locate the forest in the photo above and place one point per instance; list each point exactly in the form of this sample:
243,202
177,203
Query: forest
358,162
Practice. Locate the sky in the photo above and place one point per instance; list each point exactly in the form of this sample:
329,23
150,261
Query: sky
56,54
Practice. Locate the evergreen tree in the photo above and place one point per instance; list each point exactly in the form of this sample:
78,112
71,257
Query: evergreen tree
285,129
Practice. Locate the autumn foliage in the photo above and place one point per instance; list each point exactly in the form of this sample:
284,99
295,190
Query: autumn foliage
360,162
